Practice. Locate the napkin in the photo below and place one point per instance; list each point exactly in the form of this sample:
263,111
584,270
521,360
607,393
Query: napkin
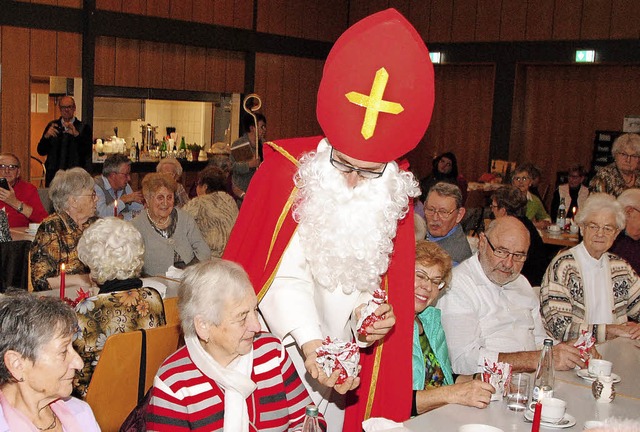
380,424
174,273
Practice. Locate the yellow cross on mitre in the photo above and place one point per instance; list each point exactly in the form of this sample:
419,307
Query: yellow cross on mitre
374,103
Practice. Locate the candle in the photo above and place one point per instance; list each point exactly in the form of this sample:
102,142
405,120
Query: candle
537,416
62,280
115,208
573,213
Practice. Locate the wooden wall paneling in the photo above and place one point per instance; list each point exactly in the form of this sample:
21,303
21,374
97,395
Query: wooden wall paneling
111,5
274,15
567,19
419,16
105,64
138,7
540,20
461,120
311,24
223,12
260,82
488,20
14,95
243,14
76,4
216,70
127,68
235,72
150,65
331,19
47,2
513,20
69,58
402,6
173,64
616,95
293,12
43,52
159,8
596,19
358,9
463,22
181,9
441,21
195,77
290,96
203,11
272,98
625,19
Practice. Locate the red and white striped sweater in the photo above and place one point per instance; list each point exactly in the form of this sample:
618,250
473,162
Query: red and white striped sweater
196,403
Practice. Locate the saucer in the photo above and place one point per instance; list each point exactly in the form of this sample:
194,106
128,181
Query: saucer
585,375
567,417
554,231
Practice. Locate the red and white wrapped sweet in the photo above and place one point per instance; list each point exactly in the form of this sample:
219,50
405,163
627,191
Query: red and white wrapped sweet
584,343
339,355
498,374
367,316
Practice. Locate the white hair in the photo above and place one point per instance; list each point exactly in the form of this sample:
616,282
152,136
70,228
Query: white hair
602,202
630,198
347,233
112,249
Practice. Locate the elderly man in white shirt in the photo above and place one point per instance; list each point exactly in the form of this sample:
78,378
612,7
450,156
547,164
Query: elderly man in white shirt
492,312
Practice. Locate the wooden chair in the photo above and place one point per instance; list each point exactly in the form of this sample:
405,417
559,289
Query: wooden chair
171,310
113,391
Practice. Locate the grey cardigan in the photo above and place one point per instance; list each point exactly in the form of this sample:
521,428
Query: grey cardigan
158,251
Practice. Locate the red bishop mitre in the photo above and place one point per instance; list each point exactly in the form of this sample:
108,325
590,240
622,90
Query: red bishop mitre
376,95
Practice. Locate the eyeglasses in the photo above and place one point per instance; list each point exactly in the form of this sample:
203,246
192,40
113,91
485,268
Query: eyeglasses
628,156
346,168
504,254
125,174
92,195
66,107
424,277
521,179
606,229
443,214
4,167
493,206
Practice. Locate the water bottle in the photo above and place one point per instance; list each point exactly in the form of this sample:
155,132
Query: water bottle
545,374
311,420
561,220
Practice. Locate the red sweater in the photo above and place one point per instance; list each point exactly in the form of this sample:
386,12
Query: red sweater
197,403
28,194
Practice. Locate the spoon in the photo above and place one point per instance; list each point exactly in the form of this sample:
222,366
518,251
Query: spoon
560,422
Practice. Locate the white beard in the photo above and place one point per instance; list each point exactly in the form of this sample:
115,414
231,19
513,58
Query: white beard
347,234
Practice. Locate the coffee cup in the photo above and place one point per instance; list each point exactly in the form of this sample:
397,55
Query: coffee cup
599,367
554,228
477,427
573,229
33,227
553,409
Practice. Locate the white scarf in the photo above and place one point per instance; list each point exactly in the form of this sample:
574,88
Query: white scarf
234,380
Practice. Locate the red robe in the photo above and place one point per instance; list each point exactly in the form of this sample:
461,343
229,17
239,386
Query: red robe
259,238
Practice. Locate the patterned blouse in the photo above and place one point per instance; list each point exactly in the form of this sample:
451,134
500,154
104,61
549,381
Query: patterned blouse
609,180
103,315
56,243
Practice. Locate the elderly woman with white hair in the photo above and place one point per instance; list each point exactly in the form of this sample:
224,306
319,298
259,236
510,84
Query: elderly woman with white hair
113,250
245,376
588,288
623,173
172,167
74,201
627,244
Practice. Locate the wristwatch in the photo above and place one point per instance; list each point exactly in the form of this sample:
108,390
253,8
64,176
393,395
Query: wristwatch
20,207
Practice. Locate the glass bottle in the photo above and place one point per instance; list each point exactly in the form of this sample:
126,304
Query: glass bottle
545,373
182,152
562,214
311,420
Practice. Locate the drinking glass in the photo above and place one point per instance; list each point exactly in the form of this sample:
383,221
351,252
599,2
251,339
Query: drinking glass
518,394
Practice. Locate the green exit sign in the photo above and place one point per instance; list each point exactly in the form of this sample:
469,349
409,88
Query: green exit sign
585,56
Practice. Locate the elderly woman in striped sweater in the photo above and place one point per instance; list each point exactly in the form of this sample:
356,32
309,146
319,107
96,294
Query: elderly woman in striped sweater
229,376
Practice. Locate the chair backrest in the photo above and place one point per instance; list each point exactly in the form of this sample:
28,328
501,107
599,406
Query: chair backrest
113,391
43,193
171,314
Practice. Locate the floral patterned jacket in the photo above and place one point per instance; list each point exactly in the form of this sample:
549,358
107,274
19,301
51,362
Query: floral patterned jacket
102,315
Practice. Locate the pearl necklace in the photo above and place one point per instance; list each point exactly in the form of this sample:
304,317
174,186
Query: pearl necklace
156,223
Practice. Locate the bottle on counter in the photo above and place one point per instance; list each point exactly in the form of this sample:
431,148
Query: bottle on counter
310,423
545,373
163,149
137,152
561,218
182,152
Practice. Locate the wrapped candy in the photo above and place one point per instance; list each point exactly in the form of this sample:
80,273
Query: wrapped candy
339,355
584,343
498,375
367,316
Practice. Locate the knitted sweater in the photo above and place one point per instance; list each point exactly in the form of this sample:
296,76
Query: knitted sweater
184,398
562,297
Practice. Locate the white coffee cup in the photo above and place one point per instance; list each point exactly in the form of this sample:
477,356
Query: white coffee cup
33,227
553,409
599,367
573,229
477,427
554,228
